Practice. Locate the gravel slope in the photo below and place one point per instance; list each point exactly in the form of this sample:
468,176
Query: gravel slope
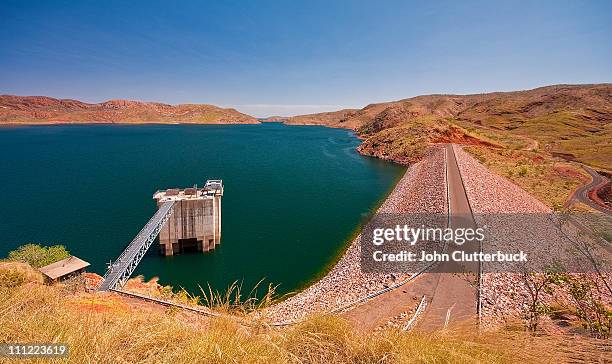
504,294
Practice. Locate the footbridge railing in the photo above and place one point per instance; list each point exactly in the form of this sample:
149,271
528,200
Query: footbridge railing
121,269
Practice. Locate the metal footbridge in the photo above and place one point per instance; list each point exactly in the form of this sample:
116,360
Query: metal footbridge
121,269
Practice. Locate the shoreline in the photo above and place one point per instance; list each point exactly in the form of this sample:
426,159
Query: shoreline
420,190
60,123
354,235
121,123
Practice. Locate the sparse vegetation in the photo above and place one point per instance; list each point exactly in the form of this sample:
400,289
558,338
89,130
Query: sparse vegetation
587,304
522,171
537,285
581,295
551,181
407,143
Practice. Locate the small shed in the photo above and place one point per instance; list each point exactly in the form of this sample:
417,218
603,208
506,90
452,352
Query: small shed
64,269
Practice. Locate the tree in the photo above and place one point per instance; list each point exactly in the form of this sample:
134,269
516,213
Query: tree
536,285
39,256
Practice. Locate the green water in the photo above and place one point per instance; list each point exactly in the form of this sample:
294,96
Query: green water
293,195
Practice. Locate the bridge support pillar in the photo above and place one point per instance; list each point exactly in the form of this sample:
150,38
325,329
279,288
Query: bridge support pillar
165,246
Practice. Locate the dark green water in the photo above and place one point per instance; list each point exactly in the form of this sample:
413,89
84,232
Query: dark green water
293,195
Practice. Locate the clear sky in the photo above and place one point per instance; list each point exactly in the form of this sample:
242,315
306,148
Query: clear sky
291,57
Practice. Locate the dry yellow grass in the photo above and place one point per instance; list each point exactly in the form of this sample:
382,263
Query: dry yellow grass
33,312
17,273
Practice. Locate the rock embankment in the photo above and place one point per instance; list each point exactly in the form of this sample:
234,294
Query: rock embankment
421,190
492,193
503,294
515,220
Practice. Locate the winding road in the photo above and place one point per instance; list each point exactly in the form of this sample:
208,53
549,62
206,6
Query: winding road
582,193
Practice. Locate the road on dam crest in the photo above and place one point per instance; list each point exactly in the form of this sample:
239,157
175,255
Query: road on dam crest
450,298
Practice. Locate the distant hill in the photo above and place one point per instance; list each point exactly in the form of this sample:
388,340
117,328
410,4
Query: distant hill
47,110
573,121
274,119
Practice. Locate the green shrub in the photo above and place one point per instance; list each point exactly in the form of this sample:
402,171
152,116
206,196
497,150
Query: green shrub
39,256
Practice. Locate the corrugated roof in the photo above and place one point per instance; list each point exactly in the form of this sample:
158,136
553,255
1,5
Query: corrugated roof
63,267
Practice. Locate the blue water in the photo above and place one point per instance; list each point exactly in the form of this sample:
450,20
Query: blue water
293,195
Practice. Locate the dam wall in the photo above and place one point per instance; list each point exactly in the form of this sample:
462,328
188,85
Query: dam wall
195,223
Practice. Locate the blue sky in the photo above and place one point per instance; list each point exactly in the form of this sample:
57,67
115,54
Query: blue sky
290,57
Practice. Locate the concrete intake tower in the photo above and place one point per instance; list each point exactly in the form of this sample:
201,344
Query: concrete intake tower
195,223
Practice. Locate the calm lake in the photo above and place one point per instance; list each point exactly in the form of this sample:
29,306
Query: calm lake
293,195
